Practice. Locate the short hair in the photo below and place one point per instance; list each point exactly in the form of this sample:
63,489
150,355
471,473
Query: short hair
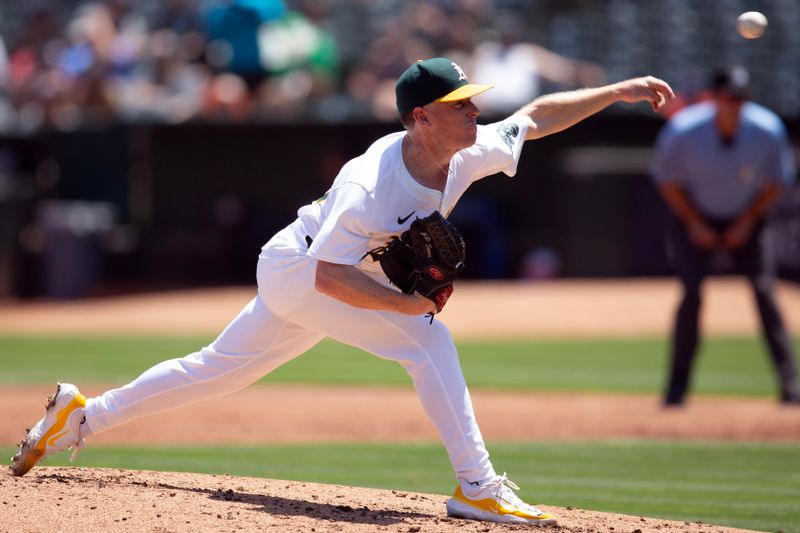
407,120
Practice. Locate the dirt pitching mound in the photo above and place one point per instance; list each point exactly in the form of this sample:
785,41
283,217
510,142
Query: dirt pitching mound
82,499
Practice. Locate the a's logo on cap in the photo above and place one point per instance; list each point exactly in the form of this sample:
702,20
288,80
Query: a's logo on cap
461,75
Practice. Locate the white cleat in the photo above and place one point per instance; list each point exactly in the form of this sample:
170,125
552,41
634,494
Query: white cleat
495,501
59,430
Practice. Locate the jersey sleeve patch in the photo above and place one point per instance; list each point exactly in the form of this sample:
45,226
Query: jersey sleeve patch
508,133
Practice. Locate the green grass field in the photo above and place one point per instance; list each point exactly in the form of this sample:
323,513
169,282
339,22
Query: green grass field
738,484
728,366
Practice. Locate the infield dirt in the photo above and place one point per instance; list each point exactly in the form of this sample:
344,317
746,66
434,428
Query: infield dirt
98,500
80,499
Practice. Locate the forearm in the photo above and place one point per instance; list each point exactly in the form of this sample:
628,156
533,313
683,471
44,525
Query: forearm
556,112
699,232
680,204
759,207
351,286
740,231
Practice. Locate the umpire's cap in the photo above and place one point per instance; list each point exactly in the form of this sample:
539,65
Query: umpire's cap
433,80
731,79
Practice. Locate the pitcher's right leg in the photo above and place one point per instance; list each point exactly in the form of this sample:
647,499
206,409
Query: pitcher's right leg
58,430
256,342
252,345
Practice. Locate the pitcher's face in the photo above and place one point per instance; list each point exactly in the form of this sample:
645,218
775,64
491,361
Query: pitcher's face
455,122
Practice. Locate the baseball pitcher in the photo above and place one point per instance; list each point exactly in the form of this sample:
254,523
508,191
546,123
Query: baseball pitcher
367,264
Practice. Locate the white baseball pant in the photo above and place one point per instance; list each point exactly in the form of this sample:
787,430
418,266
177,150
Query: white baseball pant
286,319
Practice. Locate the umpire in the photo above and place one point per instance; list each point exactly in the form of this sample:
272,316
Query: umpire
719,166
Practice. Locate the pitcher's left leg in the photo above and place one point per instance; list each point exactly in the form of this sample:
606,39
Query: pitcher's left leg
429,356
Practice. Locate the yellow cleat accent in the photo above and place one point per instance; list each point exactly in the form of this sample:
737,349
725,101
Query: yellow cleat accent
496,501
58,430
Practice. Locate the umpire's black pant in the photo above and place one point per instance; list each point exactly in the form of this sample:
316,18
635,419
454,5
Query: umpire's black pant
754,260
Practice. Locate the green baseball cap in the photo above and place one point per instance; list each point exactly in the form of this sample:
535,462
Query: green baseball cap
433,80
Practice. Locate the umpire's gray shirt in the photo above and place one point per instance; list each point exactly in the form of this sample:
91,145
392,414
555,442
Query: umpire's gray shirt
723,180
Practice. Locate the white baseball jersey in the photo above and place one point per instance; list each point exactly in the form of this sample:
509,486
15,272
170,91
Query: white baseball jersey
374,197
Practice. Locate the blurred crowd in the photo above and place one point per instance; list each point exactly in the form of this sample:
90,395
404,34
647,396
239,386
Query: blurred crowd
71,64
75,63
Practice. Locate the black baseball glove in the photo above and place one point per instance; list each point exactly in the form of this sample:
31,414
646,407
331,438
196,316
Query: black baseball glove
425,258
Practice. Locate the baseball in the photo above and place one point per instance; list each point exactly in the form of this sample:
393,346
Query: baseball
751,25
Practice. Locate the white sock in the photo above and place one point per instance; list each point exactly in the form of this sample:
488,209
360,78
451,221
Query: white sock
471,488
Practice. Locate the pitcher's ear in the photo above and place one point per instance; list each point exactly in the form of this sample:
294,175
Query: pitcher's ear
421,116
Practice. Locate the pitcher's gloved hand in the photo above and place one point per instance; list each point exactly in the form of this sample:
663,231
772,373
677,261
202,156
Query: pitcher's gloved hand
426,258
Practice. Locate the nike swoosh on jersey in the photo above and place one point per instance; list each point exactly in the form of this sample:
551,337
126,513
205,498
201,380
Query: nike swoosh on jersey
403,220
